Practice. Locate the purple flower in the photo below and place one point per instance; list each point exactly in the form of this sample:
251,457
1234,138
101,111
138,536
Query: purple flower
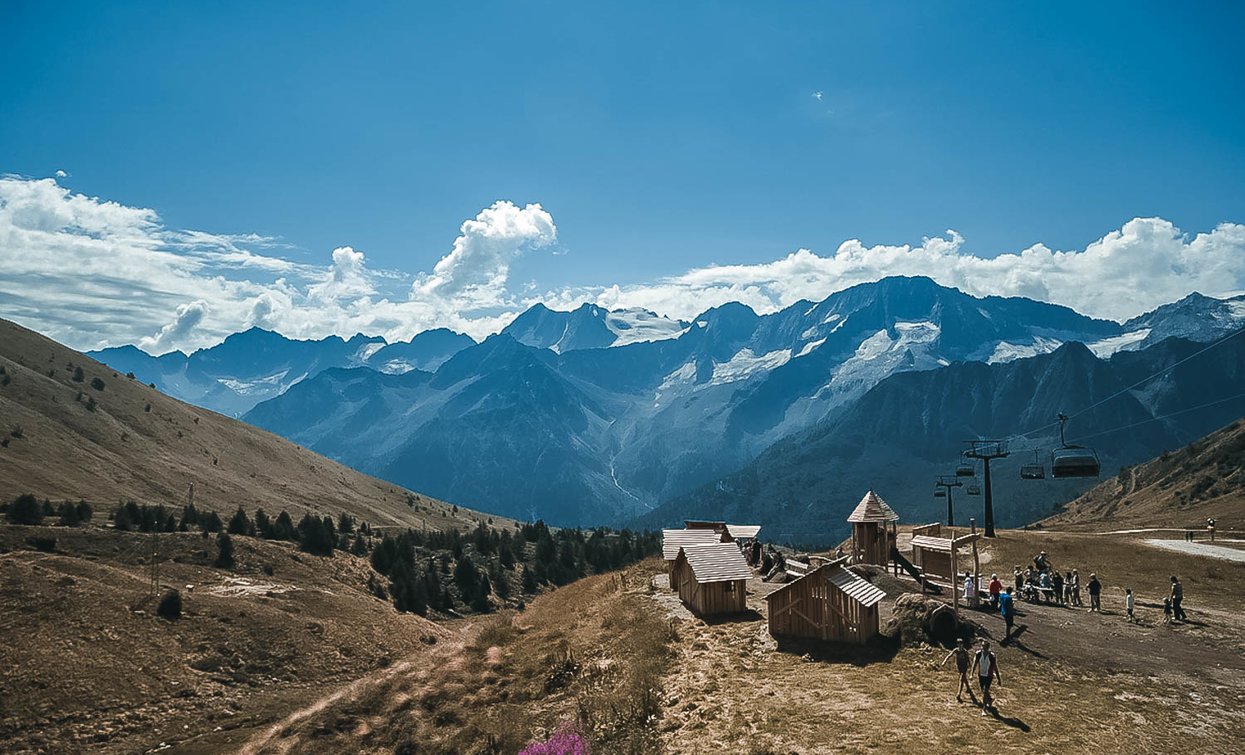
565,741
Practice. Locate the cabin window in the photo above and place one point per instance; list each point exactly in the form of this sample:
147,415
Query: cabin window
730,587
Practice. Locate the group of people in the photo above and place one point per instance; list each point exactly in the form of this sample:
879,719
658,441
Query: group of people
1041,582
1065,590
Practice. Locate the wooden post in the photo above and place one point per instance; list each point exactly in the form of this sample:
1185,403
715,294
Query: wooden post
955,576
976,564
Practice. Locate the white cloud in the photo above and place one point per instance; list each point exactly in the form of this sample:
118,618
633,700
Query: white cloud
92,273
182,326
478,267
62,174
1146,263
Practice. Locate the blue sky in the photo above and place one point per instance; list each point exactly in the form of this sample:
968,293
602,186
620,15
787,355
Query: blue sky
661,137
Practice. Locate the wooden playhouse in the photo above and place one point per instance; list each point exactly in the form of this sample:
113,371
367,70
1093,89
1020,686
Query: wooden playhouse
711,578
829,603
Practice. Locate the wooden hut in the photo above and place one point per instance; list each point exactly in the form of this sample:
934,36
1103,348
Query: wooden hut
673,540
873,533
828,603
743,531
712,578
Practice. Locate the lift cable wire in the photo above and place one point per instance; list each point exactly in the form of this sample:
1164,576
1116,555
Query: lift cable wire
1140,382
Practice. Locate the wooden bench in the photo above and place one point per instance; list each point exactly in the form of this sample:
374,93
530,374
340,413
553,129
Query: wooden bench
796,568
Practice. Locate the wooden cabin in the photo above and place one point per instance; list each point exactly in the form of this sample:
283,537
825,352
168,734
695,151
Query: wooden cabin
673,540
712,579
873,531
743,531
828,603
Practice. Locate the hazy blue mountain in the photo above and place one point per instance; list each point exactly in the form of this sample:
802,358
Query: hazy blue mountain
426,351
257,364
589,327
620,429
911,427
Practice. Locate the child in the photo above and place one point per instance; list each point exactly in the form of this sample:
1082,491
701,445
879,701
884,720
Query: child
1128,603
1167,610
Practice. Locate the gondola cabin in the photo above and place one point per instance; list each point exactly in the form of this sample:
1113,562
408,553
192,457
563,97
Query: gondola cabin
673,540
711,579
829,603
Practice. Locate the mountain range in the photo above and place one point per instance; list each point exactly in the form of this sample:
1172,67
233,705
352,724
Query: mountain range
594,416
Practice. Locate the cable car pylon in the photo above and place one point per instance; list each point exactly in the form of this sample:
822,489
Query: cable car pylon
986,451
946,482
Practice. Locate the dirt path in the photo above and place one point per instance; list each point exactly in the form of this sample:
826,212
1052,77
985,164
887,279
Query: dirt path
1199,549
274,739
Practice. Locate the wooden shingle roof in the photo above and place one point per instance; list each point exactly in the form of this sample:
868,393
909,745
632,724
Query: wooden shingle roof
932,543
873,509
851,584
856,587
743,531
717,562
672,540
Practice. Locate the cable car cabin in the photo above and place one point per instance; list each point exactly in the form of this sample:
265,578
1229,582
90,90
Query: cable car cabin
965,470
1074,461
940,493
974,489
1033,472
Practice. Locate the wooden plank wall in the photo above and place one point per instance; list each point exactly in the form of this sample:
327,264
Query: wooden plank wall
711,598
815,609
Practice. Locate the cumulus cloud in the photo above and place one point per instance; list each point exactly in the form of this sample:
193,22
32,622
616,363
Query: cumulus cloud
1146,263
477,268
93,273
173,333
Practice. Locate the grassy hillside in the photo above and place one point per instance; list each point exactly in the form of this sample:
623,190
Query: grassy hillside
1205,479
75,429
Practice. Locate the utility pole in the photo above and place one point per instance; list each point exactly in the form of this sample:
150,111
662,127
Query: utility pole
948,481
987,451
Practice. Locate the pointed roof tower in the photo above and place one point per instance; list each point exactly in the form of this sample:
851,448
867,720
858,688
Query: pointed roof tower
872,509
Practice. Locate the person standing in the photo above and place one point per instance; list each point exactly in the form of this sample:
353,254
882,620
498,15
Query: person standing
1128,603
987,666
960,653
1007,609
996,587
1019,577
1177,597
1056,584
1076,589
970,590
1095,593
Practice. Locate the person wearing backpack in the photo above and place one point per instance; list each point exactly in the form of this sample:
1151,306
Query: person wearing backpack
987,666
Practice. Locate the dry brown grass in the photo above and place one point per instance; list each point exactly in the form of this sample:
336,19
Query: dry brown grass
140,444
86,665
589,653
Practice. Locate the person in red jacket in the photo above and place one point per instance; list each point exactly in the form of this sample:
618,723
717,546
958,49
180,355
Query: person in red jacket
995,588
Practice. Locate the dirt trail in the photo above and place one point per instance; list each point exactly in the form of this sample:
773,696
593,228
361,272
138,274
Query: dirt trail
1199,549
444,653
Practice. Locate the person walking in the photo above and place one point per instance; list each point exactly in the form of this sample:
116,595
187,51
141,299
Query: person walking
1095,593
1007,609
987,666
1177,598
960,653
1128,604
